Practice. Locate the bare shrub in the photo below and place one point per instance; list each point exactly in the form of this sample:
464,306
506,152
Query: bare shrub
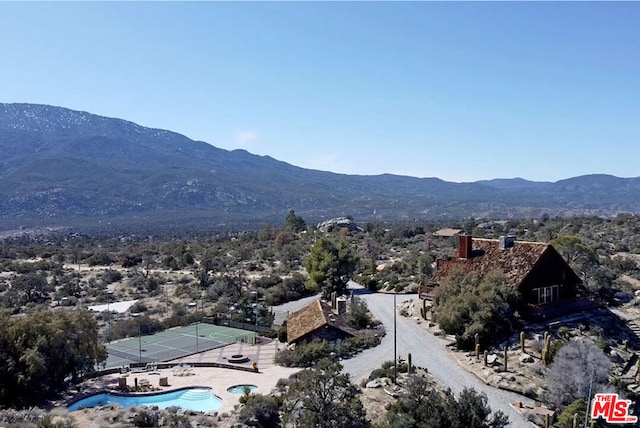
578,368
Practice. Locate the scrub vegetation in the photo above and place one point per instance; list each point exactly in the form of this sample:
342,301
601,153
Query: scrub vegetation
48,279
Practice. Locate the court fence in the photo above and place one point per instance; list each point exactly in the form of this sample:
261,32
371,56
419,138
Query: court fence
174,343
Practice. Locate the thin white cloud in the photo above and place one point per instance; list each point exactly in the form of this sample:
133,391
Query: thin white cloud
244,139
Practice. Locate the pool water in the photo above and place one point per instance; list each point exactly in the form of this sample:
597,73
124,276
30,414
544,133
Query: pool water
241,389
196,399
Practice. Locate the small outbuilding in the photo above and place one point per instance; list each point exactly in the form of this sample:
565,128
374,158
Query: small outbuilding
316,321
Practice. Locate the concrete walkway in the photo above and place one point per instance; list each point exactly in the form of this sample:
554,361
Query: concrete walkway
263,353
219,379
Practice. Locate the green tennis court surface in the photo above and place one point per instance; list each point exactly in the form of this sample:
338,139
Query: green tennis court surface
174,343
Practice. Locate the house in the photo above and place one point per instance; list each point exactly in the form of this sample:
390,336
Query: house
548,286
316,321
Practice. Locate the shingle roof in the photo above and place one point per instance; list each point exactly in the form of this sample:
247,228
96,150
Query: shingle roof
515,262
310,318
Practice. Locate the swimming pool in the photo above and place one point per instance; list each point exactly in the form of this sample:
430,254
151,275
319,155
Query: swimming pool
241,389
196,399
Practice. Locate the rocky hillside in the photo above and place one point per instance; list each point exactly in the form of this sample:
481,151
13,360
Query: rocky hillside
60,166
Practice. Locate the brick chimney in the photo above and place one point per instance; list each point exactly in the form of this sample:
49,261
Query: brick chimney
465,247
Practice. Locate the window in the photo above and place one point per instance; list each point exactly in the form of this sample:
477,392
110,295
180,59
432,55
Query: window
547,294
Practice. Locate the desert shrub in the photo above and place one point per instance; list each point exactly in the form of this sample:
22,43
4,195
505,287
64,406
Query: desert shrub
170,419
283,383
110,275
387,370
323,397
537,368
399,287
359,316
20,418
565,419
305,355
282,333
468,305
423,406
138,307
259,411
289,289
267,281
146,418
555,347
100,258
51,421
132,327
578,367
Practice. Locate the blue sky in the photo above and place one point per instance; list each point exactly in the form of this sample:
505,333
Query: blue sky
460,91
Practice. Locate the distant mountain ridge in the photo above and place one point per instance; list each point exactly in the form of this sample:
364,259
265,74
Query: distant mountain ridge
63,166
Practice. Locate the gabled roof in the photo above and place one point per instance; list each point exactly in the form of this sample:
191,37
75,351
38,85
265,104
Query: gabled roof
447,233
486,255
312,317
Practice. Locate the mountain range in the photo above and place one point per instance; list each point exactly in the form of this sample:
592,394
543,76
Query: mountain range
66,167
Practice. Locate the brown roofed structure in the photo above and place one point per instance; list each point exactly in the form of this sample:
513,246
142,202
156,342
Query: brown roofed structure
485,255
316,321
447,233
547,284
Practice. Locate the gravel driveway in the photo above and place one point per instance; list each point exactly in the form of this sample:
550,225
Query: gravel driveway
426,351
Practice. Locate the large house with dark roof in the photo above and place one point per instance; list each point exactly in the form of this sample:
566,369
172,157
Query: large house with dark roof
316,321
548,286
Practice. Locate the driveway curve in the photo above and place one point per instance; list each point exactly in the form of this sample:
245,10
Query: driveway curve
427,351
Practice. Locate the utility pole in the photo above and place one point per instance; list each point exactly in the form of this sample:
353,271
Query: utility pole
195,306
137,315
109,296
586,413
395,342
256,308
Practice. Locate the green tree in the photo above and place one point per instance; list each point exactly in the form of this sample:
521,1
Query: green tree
32,287
323,398
467,305
579,255
39,352
472,411
330,267
359,316
259,411
294,222
421,406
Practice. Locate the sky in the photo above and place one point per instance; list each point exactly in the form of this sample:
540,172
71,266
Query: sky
462,91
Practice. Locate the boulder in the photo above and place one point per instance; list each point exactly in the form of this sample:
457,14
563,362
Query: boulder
339,223
374,384
615,357
526,358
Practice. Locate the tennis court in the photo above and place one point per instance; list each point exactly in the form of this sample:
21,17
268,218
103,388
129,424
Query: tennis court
174,343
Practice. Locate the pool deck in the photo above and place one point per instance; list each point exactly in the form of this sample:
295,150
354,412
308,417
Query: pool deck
219,379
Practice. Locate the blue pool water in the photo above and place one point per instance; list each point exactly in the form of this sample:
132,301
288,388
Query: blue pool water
196,399
240,389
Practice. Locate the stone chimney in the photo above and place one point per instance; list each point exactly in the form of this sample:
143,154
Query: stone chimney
465,247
